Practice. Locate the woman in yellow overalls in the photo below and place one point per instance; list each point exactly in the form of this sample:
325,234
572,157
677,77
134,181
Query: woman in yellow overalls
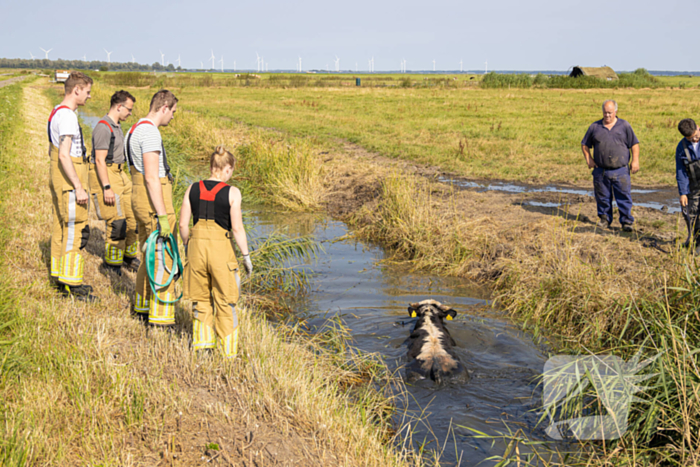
211,279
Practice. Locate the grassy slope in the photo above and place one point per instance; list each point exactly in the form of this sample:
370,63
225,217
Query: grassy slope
93,387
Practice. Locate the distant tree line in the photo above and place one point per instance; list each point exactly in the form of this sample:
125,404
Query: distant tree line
61,64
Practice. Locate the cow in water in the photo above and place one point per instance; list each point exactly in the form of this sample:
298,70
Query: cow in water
430,346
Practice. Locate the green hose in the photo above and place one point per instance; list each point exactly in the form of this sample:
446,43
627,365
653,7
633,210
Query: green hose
170,248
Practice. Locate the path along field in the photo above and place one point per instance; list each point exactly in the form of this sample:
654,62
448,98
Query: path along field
88,385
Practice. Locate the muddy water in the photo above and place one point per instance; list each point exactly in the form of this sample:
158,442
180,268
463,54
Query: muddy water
662,198
371,298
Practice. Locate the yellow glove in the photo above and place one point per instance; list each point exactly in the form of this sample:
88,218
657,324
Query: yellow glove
163,226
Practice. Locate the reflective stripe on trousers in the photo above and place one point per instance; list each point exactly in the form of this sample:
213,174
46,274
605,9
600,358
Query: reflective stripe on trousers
158,312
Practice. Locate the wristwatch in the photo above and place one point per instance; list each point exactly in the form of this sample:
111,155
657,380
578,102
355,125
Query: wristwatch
108,187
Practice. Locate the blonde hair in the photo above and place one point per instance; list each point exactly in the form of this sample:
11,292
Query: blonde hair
221,158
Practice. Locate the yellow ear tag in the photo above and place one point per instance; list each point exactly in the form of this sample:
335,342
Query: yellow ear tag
413,314
449,317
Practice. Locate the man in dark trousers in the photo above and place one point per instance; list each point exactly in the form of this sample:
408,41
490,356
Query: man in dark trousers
615,155
688,176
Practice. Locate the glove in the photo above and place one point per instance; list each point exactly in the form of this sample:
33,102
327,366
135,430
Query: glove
163,226
248,264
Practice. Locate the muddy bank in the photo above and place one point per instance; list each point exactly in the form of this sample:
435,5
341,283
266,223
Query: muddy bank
355,177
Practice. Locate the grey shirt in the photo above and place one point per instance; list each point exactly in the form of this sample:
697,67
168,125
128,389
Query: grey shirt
101,137
611,148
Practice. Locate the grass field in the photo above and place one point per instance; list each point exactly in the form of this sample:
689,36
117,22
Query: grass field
524,134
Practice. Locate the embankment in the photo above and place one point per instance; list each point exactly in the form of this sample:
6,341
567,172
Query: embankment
88,385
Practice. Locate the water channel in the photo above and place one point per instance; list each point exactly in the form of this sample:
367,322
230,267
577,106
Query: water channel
350,281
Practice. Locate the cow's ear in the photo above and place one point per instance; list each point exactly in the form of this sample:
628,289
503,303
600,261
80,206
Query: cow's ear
412,310
450,314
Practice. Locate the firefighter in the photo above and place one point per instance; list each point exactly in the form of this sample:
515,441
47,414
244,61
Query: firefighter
110,186
211,279
68,184
152,203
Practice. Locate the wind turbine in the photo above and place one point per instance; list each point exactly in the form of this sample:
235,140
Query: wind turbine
257,61
85,57
433,64
213,59
300,69
234,66
337,63
461,66
222,63
46,52
178,60
109,56
202,65
133,60
162,58
32,55
486,67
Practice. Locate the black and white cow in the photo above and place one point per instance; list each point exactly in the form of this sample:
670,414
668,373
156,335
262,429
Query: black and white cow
430,346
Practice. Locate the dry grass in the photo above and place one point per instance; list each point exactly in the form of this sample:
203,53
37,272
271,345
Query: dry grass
548,272
98,389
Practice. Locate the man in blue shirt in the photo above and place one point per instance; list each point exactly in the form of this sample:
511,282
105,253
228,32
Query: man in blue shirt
614,144
688,176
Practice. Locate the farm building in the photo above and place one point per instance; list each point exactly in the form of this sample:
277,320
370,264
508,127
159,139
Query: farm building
602,72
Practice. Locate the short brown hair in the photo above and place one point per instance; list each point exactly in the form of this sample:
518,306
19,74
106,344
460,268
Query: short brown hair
687,127
221,158
162,98
76,78
121,97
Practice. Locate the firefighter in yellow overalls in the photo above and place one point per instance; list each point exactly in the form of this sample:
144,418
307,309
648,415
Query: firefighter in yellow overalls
110,186
152,202
211,279
68,184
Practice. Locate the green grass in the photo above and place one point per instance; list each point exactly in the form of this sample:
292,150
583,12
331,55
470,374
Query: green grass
523,134
446,121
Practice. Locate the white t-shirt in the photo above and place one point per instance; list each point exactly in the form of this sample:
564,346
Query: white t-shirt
695,147
65,122
146,138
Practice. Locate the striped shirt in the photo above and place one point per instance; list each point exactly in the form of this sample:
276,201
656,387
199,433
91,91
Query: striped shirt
146,138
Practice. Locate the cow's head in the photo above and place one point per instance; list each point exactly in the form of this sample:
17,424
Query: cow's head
433,307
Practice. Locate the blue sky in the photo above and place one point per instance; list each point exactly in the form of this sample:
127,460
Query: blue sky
509,34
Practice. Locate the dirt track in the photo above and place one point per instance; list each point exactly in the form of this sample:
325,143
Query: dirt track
7,82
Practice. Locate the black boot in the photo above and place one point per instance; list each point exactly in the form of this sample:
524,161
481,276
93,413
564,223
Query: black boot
132,263
79,292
